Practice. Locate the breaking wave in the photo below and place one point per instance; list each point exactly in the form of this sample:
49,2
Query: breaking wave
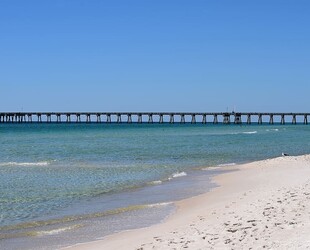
177,175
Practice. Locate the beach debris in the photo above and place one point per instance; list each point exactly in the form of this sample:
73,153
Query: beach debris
285,154
232,230
227,241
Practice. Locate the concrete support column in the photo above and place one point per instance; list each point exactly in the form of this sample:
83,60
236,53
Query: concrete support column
248,120
182,119
108,118
78,118
161,118
271,119
215,120
204,119
305,119
171,118
237,119
129,118
139,118
58,118
88,119
260,119
282,119
98,118
226,118
193,121
119,118
294,119
150,118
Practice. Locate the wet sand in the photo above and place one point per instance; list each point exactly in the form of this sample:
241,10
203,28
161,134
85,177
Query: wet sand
263,205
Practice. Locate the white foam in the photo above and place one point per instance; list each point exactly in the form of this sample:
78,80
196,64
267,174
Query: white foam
273,129
156,182
12,163
227,164
56,231
210,168
250,132
161,204
238,133
177,175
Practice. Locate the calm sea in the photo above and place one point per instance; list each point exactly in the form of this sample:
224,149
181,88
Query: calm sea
65,183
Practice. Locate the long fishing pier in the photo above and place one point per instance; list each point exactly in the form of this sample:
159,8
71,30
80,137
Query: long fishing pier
153,117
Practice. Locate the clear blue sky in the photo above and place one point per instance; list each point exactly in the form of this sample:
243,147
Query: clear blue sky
159,55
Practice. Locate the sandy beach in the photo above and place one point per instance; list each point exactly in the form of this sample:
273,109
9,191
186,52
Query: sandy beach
261,205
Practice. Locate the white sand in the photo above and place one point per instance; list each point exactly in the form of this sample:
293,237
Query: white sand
265,205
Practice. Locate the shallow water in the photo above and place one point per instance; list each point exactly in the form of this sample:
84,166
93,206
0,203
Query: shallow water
65,176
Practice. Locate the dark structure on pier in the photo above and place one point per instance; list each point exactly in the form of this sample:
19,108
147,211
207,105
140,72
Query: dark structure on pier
144,117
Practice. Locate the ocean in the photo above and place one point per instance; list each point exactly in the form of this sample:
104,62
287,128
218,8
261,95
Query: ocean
66,183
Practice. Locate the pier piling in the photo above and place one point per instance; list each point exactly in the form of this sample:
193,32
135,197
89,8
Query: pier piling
193,121
282,119
226,118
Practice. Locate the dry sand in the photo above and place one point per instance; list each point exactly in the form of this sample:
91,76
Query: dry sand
264,205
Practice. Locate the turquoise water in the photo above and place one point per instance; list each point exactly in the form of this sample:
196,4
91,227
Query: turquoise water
53,171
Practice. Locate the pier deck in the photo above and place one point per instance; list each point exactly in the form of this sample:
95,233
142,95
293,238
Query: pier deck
153,117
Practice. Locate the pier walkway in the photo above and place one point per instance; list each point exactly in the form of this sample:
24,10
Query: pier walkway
153,117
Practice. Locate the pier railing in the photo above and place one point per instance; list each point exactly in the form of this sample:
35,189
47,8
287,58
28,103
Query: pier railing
153,117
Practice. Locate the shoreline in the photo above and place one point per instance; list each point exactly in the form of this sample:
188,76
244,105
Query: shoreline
259,205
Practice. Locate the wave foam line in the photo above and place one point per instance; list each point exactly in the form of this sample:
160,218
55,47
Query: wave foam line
57,231
239,133
156,182
13,163
250,132
37,233
177,175
273,129
34,224
227,164
161,204
6,231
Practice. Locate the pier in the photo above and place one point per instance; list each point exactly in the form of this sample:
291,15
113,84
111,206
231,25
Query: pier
154,117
